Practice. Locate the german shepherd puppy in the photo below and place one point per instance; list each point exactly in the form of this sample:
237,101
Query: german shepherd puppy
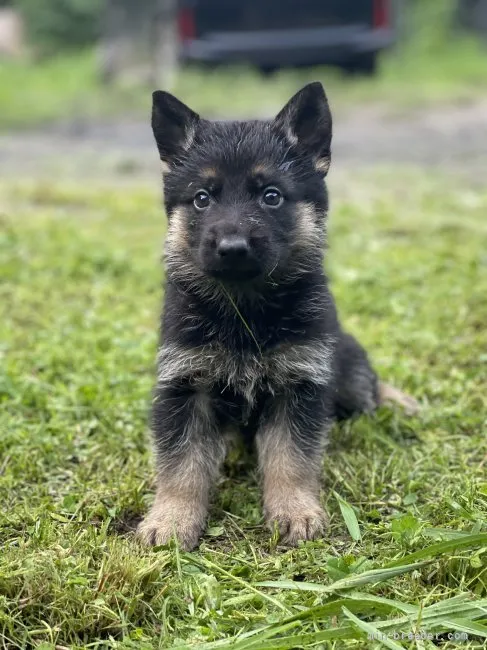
250,339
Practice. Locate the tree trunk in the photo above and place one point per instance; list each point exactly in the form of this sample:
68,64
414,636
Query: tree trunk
165,48
139,42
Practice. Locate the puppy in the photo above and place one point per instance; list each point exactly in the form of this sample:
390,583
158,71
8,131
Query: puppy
250,339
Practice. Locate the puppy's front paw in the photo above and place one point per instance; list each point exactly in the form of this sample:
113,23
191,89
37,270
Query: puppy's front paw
296,520
167,520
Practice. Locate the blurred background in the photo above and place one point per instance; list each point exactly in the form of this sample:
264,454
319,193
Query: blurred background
84,69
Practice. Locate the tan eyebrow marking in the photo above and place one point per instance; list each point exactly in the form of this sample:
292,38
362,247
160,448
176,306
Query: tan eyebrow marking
260,169
323,165
209,172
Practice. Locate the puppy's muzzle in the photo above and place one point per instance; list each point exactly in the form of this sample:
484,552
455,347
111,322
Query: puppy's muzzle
234,258
233,251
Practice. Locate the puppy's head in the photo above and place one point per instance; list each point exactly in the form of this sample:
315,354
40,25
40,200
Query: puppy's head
246,201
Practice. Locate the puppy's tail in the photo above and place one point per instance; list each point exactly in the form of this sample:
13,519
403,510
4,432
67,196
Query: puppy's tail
390,395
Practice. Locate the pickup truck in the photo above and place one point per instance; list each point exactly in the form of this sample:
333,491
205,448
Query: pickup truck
273,34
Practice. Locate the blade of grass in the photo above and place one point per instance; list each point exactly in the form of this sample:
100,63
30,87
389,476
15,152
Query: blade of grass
444,533
439,548
349,517
373,633
367,577
285,642
260,636
356,602
381,601
439,615
464,625
458,601
244,322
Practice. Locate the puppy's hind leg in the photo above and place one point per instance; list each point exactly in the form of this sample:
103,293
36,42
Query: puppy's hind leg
356,383
358,389
189,453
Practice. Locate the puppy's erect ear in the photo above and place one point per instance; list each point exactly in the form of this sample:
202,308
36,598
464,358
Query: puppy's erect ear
306,121
173,125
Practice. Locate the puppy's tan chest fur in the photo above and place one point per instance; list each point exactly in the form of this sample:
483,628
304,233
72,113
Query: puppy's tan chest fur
246,373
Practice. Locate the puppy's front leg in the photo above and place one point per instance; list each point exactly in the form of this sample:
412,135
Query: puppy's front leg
189,453
290,445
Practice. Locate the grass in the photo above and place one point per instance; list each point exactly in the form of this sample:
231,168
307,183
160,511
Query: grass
59,89
430,65
406,550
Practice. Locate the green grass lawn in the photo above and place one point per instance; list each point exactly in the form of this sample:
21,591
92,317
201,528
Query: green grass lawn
79,301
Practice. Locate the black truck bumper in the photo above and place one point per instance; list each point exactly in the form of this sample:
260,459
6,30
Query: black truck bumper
288,47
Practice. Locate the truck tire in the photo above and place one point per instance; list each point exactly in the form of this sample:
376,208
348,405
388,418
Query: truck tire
363,64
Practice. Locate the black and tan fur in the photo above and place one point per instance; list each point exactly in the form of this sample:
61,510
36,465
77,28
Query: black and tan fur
250,338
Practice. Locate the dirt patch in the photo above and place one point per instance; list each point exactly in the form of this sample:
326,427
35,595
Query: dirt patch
448,137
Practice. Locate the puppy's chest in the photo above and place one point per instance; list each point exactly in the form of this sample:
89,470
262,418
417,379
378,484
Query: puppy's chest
246,373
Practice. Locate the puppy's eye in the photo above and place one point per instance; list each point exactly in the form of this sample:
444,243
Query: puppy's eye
272,197
201,200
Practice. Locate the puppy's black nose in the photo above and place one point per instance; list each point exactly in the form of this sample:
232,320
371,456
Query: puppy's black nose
233,249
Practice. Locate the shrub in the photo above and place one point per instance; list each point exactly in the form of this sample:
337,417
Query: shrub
61,24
